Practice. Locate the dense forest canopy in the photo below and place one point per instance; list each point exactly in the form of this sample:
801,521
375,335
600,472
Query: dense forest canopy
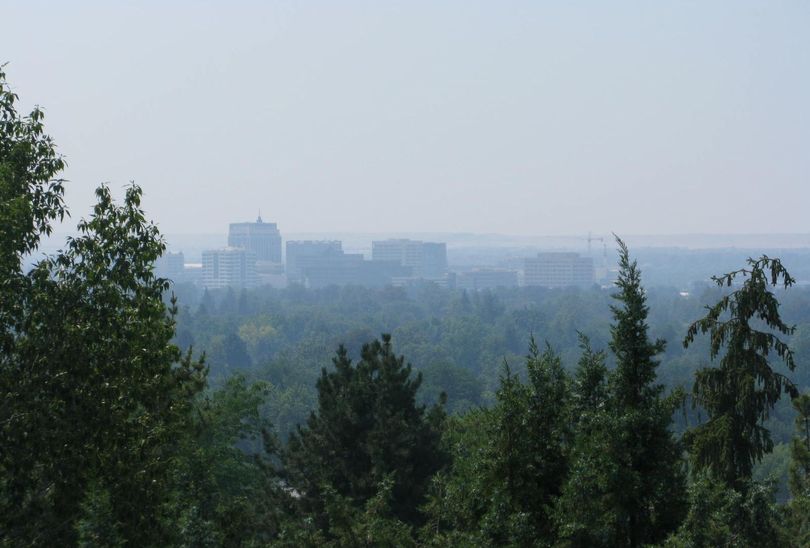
457,339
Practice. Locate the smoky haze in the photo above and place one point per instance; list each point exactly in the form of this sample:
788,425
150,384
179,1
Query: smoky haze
514,118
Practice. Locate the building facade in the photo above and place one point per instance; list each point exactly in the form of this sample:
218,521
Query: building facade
306,253
486,278
229,267
263,239
558,270
318,264
427,260
171,266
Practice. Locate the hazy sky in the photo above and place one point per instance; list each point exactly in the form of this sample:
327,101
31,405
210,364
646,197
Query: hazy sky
510,117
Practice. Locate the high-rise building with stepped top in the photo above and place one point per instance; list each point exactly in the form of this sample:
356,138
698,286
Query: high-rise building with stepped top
263,239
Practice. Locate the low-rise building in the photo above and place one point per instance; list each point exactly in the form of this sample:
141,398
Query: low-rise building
486,278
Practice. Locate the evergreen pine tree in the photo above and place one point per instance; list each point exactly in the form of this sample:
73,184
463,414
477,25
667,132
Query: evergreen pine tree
625,459
583,511
589,392
509,461
739,393
367,428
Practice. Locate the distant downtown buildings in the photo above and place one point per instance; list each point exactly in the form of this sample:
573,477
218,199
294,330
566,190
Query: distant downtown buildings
323,263
263,239
558,270
229,267
486,278
254,257
302,256
427,260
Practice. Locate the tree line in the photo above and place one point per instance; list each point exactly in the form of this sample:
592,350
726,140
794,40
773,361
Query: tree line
110,434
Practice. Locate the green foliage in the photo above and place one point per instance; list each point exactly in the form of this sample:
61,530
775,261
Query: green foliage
226,481
509,462
367,427
589,392
585,511
730,518
459,496
626,486
647,487
633,383
739,393
30,195
774,467
797,527
798,510
96,390
372,524
800,449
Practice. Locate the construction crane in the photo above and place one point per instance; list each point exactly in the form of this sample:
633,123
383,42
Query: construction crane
590,239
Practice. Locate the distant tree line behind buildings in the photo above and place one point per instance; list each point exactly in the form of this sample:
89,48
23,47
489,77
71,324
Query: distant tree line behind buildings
529,418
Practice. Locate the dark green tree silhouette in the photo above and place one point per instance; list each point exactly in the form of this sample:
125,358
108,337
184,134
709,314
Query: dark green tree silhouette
93,391
367,427
629,465
800,448
799,475
648,488
31,198
589,391
583,510
738,394
96,393
509,463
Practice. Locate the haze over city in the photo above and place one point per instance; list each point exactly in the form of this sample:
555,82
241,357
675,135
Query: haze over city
516,118
405,274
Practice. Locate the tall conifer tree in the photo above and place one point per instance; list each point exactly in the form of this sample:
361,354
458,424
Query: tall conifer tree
629,463
740,392
367,428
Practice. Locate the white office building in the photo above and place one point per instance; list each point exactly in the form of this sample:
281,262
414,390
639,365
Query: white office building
229,267
558,270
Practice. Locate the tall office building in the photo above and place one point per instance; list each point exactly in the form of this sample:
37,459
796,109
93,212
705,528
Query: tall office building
261,238
426,259
558,270
229,267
